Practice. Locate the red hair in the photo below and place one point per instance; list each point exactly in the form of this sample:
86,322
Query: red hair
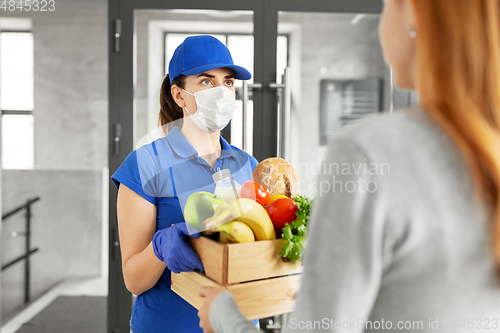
458,55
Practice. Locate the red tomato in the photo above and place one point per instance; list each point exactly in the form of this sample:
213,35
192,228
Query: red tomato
255,191
282,211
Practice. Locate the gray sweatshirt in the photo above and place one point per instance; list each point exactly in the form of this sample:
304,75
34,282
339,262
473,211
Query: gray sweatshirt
396,240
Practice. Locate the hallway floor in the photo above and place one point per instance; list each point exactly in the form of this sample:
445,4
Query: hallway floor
52,301
75,314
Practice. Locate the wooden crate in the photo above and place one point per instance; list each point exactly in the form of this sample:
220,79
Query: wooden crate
262,283
256,299
232,263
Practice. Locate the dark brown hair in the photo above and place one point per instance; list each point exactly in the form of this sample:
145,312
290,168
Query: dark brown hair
169,110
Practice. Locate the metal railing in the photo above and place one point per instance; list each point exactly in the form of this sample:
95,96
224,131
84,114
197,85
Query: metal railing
28,251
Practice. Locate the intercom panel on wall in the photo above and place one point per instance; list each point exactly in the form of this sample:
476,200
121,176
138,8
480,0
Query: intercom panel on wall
345,101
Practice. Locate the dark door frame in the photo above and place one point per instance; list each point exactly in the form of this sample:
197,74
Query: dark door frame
121,95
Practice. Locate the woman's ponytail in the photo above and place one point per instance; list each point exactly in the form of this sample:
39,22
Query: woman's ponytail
169,110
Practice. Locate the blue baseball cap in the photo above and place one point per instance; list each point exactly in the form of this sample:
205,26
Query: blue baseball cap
198,54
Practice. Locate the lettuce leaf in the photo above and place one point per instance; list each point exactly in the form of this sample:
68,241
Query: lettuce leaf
295,233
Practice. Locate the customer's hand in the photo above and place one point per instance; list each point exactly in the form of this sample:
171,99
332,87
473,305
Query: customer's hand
170,246
210,293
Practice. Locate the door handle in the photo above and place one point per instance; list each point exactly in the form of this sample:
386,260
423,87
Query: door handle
284,107
245,97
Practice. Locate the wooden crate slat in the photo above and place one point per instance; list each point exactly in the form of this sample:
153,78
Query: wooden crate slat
258,260
213,255
266,298
187,285
256,299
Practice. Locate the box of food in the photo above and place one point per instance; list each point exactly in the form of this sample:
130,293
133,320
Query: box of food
262,283
241,262
248,260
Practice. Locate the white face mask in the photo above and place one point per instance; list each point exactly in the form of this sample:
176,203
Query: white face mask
215,108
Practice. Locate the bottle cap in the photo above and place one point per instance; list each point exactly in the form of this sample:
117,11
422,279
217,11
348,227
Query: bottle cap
219,175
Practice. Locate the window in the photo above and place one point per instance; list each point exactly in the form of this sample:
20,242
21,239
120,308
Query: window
17,99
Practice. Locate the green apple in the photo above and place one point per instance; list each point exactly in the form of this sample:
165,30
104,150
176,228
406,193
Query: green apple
199,207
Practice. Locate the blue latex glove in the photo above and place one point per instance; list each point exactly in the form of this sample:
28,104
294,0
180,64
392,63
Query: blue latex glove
170,246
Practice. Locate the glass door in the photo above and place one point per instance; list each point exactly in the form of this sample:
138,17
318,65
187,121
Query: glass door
334,75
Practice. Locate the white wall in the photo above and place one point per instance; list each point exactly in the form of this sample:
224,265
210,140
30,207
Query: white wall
66,227
71,105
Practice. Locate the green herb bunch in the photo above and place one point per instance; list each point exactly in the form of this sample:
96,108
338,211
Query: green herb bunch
295,233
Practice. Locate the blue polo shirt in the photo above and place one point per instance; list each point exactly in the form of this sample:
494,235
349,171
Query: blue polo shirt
165,173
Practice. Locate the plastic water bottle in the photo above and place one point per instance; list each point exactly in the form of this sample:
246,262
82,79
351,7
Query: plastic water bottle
225,187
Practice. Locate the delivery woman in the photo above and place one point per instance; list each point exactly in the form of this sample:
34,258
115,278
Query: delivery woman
197,101
418,250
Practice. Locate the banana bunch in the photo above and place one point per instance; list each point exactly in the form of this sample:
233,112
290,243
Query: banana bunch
235,232
229,221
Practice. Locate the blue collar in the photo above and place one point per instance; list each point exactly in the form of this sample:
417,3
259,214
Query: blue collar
184,149
227,150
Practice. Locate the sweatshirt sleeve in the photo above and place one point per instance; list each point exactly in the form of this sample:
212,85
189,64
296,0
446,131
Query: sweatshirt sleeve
225,317
343,261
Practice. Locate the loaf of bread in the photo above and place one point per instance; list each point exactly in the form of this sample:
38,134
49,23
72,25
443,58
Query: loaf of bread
279,176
